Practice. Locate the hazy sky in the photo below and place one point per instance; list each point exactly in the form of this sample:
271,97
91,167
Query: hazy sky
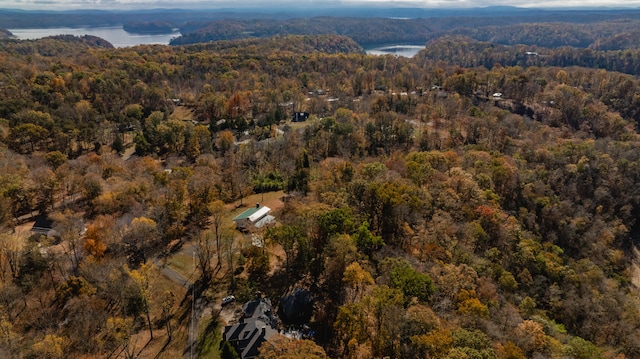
148,4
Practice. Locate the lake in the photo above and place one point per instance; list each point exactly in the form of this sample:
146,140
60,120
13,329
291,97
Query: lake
120,38
115,35
399,50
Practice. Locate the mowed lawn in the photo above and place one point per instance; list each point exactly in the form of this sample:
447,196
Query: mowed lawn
183,263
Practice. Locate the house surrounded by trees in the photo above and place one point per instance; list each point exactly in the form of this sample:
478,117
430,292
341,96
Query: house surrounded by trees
256,326
253,218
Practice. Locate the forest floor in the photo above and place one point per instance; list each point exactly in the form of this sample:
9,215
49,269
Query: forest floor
183,113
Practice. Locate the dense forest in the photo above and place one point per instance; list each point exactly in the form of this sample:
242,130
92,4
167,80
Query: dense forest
149,27
599,29
551,30
14,18
476,201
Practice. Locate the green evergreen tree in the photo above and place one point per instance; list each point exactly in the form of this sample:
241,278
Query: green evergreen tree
227,351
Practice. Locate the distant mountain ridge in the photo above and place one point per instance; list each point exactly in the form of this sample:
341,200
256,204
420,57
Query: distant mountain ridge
581,29
12,18
370,26
149,27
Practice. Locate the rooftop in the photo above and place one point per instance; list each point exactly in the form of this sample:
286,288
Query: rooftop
42,223
253,213
258,324
268,219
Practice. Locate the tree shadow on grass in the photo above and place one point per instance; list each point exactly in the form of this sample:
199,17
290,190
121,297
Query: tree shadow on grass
209,340
164,347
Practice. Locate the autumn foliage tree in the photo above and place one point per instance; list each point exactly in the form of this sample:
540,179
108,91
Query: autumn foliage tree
280,347
426,216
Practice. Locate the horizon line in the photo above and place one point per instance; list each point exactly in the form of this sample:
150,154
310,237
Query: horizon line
260,6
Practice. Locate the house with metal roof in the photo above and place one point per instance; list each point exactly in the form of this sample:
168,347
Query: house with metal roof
254,218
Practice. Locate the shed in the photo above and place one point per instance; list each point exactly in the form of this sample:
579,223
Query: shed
299,116
44,225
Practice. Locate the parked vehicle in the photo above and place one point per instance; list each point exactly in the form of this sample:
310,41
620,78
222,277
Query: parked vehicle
228,299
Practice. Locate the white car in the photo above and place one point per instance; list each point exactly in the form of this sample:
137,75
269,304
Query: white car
228,299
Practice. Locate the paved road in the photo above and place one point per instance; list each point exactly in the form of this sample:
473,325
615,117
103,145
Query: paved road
172,274
191,349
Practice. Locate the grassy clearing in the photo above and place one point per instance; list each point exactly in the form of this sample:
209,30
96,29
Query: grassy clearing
299,125
210,325
182,113
269,199
161,346
182,263
160,288
210,336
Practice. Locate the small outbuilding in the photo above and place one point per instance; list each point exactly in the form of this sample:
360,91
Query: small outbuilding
299,116
44,226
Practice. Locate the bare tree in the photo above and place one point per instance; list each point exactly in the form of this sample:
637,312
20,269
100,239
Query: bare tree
11,249
204,251
217,210
230,248
69,226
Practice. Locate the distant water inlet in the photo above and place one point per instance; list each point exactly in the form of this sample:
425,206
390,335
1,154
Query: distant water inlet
399,50
115,35
120,38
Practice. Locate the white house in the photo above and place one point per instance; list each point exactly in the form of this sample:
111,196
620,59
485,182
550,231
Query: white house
254,218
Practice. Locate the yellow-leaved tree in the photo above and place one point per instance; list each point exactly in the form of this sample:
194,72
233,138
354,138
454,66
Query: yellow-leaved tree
141,278
50,347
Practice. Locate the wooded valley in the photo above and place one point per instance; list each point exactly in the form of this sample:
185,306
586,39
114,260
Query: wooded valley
479,200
